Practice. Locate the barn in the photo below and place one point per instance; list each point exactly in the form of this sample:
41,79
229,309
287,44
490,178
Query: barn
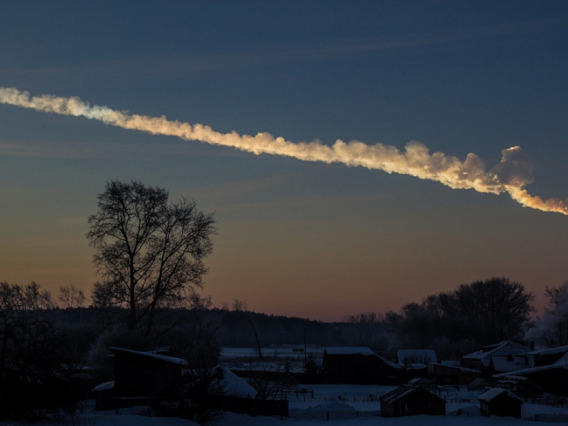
500,402
146,375
411,400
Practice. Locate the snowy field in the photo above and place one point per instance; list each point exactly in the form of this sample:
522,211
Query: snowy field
337,405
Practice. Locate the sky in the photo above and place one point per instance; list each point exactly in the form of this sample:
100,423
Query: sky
451,118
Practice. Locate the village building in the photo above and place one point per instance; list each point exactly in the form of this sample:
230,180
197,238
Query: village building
501,357
520,386
411,400
427,383
141,378
146,374
150,378
551,378
547,356
500,402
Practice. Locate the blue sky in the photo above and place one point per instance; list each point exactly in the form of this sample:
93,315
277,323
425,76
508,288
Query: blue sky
296,238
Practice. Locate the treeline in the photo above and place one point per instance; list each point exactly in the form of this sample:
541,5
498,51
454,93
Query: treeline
462,320
40,353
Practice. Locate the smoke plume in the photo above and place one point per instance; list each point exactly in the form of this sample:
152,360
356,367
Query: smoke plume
510,176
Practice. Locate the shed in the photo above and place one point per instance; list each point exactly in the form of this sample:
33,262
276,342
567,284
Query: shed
411,400
550,378
547,356
500,402
146,375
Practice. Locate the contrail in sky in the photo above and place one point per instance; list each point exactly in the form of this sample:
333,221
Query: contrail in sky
509,176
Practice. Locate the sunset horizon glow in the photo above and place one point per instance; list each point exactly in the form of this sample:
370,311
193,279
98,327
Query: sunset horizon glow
324,136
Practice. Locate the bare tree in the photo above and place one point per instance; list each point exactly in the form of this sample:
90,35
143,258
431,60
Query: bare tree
149,251
25,330
36,354
557,298
71,297
366,329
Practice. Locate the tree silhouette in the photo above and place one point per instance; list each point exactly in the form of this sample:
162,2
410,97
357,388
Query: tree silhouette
149,251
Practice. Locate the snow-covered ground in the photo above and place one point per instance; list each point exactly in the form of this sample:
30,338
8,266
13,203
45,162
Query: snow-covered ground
340,405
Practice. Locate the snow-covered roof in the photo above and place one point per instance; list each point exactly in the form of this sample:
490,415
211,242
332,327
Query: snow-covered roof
526,371
232,385
104,386
493,393
402,391
455,367
289,351
502,348
504,363
417,381
397,393
549,351
422,356
148,354
563,360
350,350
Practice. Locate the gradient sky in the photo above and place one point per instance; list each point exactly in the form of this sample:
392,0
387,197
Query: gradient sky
307,239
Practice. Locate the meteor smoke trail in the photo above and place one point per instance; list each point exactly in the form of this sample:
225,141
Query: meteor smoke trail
509,176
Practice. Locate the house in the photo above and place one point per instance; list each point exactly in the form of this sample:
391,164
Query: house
500,402
358,365
415,362
411,400
520,386
546,356
497,358
140,378
551,378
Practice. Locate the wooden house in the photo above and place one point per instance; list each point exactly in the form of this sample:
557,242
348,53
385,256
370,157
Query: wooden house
497,358
550,378
146,376
547,356
411,400
500,402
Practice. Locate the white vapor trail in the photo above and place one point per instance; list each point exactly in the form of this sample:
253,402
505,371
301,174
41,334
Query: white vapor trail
509,176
